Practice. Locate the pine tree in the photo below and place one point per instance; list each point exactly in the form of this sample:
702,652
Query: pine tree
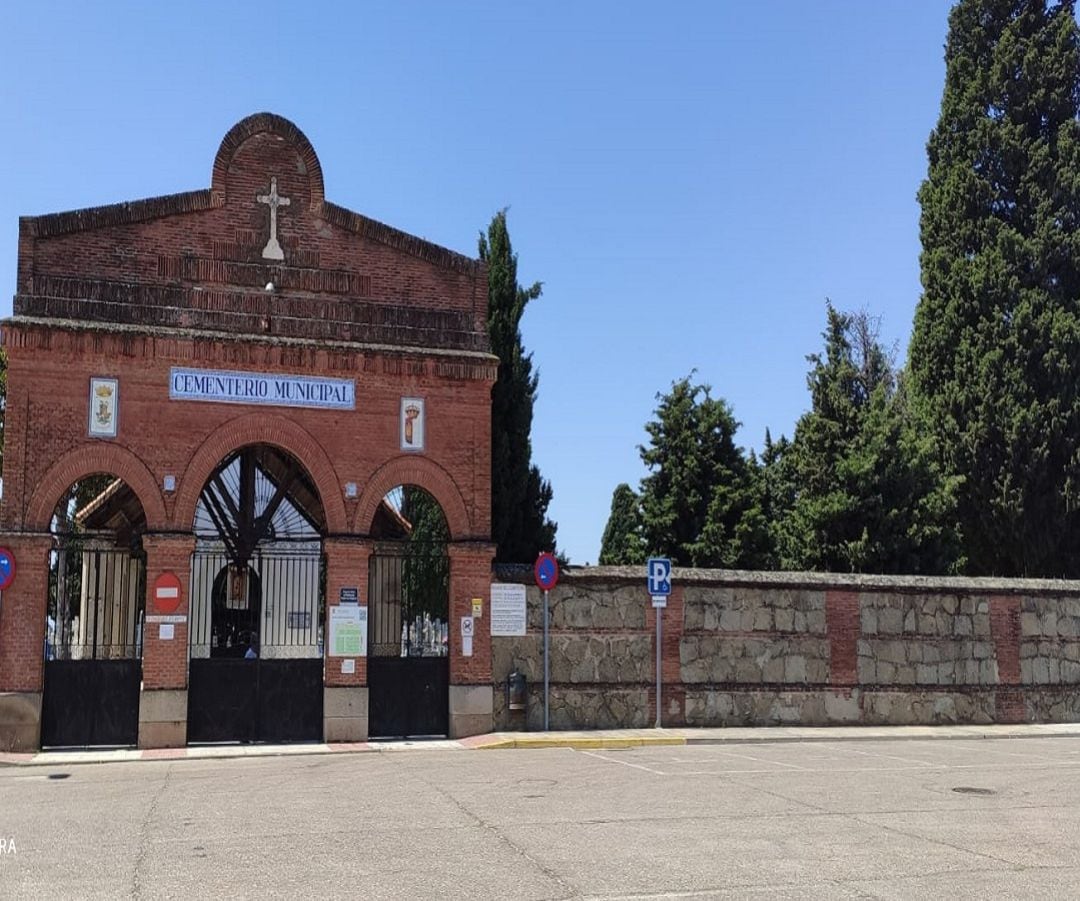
520,497
698,501
995,354
867,494
622,543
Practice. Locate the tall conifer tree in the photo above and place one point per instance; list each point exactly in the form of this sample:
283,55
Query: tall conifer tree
995,354
520,497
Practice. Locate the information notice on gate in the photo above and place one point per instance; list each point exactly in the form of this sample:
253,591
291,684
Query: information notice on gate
508,609
348,631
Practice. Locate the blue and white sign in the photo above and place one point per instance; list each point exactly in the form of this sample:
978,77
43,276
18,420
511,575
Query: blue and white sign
256,388
659,576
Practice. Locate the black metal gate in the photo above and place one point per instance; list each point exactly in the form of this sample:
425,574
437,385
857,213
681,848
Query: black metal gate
256,665
408,666
93,646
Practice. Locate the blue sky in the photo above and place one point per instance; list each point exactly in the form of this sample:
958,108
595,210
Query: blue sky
690,181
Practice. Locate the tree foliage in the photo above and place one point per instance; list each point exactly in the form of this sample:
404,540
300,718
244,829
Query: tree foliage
520,496
622,543
698,501
425,571
995,354
867,495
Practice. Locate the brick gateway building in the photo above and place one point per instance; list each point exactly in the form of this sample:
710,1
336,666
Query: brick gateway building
220,407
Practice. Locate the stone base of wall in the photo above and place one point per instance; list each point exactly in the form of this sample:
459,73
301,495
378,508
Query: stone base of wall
471,710
20,720
163,718
345,713
578,707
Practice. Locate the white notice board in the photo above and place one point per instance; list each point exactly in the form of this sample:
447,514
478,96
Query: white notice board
508,609
348,631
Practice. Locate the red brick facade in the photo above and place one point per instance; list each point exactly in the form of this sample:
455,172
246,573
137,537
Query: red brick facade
131,290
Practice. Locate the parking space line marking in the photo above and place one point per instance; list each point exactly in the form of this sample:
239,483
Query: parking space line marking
636,766
765,760
890,757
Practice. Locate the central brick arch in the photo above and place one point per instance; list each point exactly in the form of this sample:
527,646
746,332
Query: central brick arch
88,460
258,428
261,123
422,472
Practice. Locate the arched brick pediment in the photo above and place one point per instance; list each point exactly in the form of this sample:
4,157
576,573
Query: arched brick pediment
259,428
91,459
422,472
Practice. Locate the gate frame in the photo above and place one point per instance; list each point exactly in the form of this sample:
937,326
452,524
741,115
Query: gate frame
407,678
106,689
258,724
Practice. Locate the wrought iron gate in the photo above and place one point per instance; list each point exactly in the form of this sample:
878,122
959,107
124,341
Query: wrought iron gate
408,666
256,656
93,646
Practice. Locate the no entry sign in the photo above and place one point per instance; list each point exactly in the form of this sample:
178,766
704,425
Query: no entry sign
167,593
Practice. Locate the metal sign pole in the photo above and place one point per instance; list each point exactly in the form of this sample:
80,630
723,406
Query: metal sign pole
546,669
659,620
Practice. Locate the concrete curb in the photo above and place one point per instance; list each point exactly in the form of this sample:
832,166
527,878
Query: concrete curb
580,741
580,744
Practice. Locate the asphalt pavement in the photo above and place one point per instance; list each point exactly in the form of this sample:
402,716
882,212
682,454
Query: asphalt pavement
877,818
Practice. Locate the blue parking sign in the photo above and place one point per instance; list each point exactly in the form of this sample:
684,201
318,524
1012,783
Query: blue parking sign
658,570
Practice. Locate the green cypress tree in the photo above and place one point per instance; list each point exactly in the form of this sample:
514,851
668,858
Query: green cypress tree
995,353
622,544
520,497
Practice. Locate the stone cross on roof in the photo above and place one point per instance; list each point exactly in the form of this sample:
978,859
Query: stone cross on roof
272,250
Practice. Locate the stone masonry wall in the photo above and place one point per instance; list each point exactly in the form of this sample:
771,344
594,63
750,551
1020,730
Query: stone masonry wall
784,648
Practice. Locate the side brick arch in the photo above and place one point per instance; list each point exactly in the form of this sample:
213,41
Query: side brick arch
422,472
87,460
258,428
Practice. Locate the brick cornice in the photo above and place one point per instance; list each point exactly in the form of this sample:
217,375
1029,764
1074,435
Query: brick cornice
399,240
54,224
212,348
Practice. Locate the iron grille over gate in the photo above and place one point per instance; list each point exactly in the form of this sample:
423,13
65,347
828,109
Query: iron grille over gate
408,590
272,608
96,602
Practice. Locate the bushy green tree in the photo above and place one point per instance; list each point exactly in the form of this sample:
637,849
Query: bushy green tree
866,494
622,543
995,354
698,502
520,497
425,571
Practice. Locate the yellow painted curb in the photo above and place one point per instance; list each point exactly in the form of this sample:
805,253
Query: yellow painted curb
581,744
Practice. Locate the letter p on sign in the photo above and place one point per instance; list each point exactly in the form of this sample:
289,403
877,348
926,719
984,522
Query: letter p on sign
659,574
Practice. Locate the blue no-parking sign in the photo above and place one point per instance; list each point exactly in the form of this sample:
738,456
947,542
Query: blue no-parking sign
7,568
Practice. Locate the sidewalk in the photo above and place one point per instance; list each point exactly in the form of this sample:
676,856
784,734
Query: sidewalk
588,740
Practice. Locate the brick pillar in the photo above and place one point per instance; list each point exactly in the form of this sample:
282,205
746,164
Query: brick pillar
843,627
672,690
472,696
1005,630
345,695
163,701
22,641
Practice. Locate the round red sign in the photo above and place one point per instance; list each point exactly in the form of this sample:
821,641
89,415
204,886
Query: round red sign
7,568
546,571
167,593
